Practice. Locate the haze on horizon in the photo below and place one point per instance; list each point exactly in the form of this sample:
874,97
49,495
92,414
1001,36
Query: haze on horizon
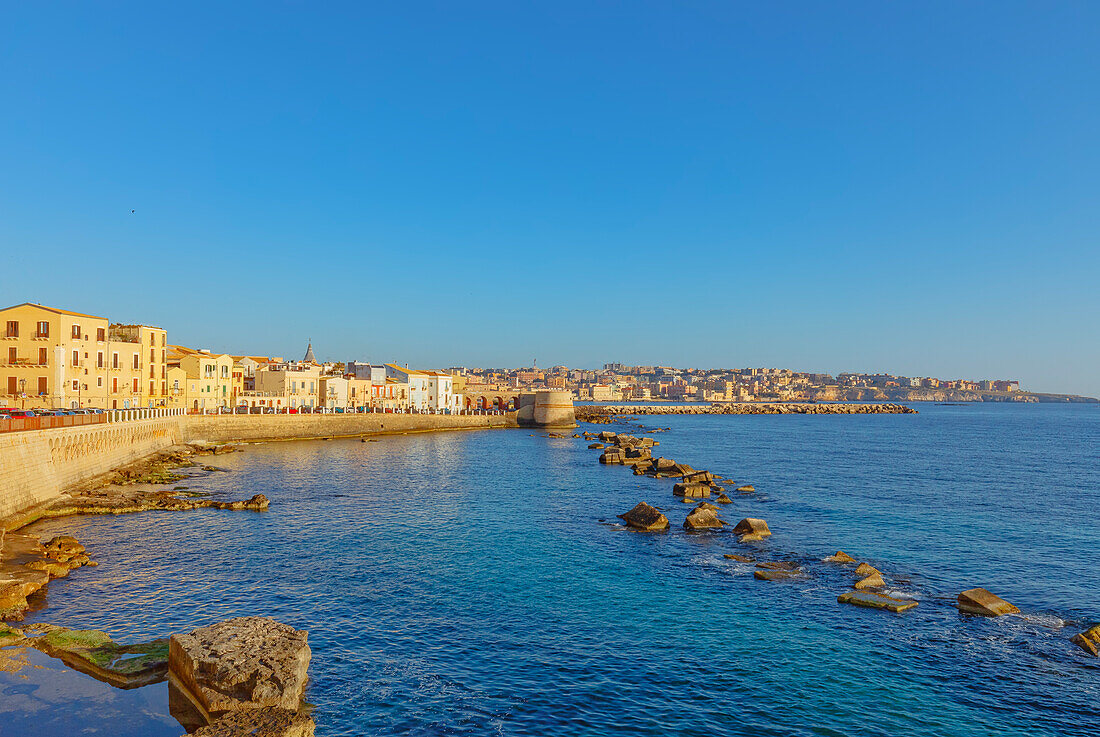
870,187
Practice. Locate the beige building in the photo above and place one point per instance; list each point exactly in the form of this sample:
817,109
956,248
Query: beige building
297,382
144,373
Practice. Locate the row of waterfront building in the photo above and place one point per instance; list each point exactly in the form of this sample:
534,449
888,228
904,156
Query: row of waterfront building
58,359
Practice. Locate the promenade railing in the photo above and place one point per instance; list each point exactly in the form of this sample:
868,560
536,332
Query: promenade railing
110,416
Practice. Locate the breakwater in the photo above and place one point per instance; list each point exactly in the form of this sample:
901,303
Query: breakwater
587,412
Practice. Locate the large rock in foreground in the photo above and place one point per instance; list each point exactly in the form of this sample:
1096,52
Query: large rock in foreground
260,723
645,517
980,601
242,663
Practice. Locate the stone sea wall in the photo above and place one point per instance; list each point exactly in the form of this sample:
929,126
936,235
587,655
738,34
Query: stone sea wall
235,428
38,465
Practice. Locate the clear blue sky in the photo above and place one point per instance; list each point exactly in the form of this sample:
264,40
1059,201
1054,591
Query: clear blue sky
911,188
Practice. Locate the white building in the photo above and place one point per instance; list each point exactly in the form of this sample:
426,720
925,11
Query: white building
426,390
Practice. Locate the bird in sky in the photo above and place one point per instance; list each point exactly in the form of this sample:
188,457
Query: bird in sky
132,211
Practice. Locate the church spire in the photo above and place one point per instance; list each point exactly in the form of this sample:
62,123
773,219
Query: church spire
309,353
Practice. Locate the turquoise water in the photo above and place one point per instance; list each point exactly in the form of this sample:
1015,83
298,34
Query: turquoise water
462,583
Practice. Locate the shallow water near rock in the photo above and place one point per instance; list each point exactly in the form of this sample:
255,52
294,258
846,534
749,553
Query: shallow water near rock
461,583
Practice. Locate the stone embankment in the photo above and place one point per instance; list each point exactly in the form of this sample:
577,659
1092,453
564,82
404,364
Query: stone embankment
600,413
868,587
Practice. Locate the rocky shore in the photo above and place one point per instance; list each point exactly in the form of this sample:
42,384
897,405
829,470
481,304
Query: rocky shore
600,413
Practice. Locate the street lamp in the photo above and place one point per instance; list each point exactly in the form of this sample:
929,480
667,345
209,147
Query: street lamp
23,391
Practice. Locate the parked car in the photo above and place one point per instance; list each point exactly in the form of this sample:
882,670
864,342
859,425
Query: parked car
20,413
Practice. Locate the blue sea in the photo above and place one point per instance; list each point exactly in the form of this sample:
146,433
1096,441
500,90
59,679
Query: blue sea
478,582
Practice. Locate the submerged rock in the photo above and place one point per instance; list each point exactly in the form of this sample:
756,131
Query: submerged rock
739,558
778,565
777,575
747,488
645,517
875,601
723,499
1089,640
241,663
752,529
94,652
982,602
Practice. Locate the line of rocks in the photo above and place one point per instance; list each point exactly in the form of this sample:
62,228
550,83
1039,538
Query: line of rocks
602,414
868,582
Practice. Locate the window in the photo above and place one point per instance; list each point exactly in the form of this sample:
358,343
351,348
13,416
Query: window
43,356
42,390
151,355
151,389
13,356
76,386
99,381
114,360
137,361
13,385
175,385
164,387
135,386
76,359
114,385
152,371
100,335
162,355
99,360
76,331
13,329
43,330
162,335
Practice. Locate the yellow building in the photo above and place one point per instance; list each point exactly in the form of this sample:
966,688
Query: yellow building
52,358
199,381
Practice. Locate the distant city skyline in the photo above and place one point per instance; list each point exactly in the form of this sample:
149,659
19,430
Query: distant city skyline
884,189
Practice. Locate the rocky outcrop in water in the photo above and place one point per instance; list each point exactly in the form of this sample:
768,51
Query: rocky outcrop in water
751,529
1089,640
645,517
27,565
703,518
984,603
241,663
